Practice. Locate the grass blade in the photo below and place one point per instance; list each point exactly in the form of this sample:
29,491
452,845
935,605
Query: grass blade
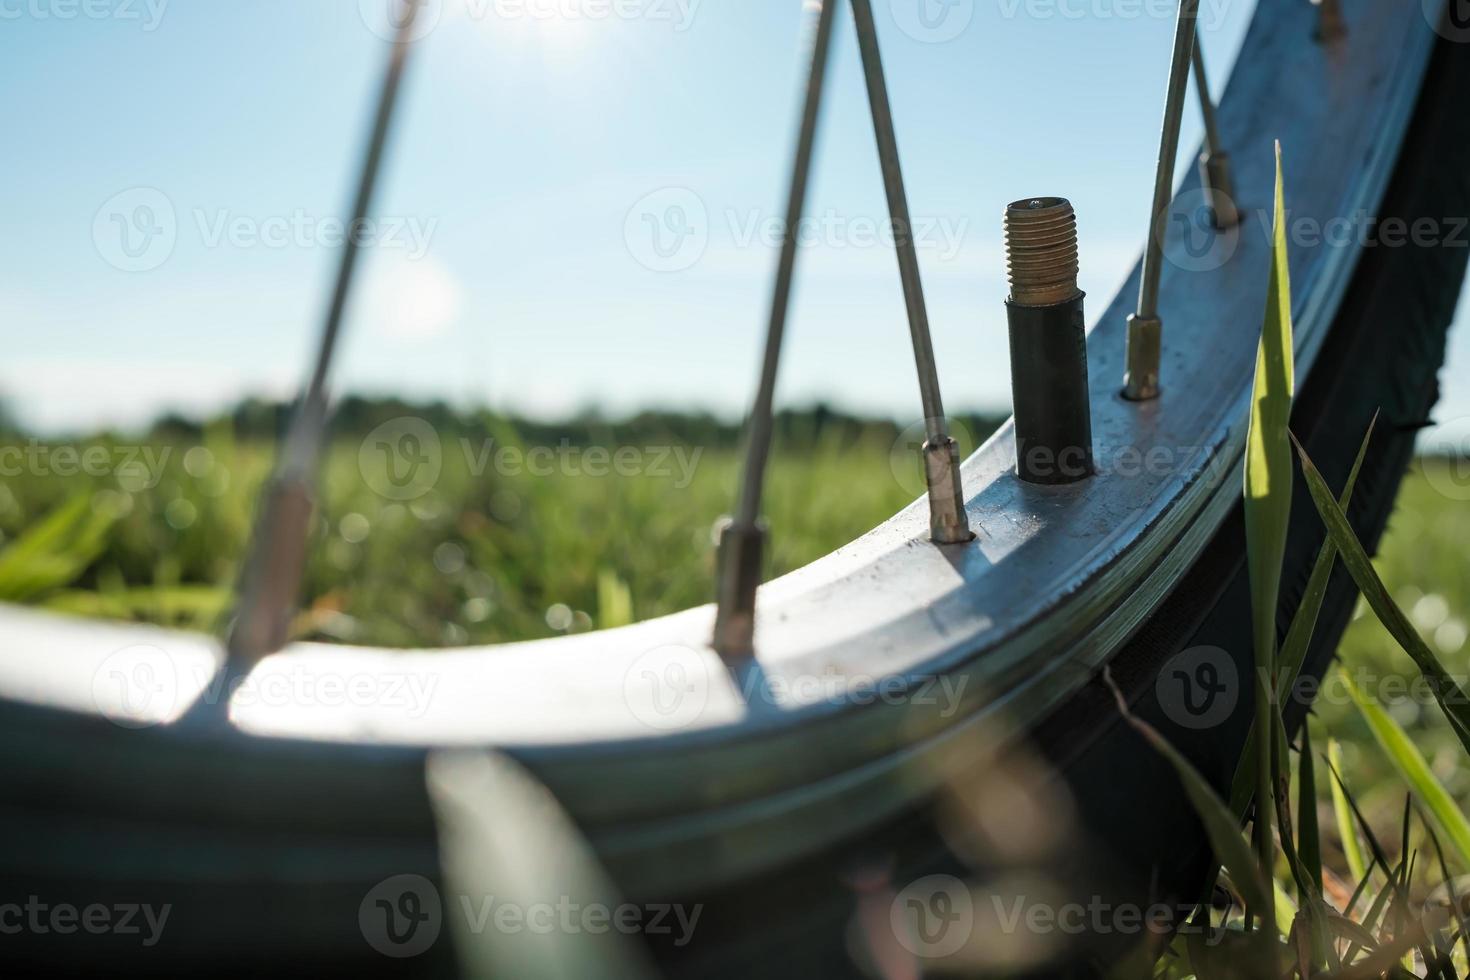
1299,636
1358,891
54,552
1380,857
1417,775
614,600
1268,480
1346,830
1456,909
1281,780
1308,836
1395,892
502,834
1310,923
1456,707
1304,623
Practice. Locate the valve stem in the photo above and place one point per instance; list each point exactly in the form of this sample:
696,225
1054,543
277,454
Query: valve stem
1049,389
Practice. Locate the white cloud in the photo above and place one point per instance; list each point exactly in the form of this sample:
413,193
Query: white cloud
67,394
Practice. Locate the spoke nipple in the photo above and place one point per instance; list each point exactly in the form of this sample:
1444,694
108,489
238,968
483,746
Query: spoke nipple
272,575
1049,387
1219,188
1330,22
1145,346
948,522
737,576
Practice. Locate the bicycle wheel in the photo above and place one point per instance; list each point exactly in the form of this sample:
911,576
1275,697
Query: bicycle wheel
764,800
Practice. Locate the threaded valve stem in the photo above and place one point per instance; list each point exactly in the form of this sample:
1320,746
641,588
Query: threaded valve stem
1041,251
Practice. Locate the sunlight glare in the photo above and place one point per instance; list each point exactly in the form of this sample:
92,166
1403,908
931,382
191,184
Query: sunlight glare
548,24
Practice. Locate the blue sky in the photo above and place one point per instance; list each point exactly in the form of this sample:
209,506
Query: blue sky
542,144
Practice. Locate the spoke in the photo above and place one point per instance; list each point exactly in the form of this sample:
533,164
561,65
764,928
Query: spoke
741,541
948,523
277,551
1206,105
1145,329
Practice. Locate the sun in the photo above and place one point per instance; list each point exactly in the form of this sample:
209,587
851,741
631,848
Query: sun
547,24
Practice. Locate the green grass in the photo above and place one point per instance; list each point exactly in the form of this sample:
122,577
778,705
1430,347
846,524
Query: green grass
1422,561
477,559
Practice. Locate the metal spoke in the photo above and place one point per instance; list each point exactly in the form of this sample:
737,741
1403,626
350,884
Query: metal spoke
948,523
277,552
1145,329
1206,105
742,539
